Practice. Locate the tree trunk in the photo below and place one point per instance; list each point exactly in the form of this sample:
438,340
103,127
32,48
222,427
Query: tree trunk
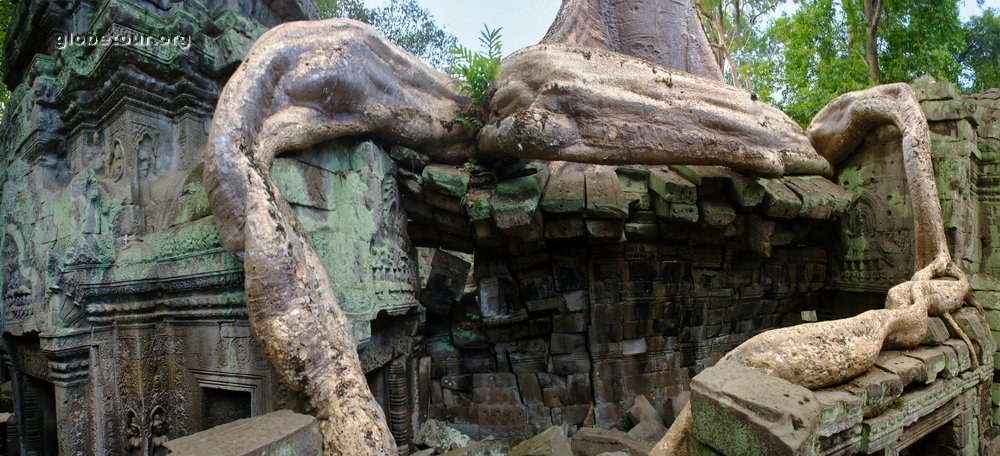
873,14
667,33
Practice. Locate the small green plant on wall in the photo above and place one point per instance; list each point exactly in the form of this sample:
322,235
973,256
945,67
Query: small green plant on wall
474,72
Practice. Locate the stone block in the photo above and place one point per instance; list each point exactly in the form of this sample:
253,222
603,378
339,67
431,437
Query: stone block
938,110
993,319
277,433
642,410
565,228
779,200
634,346
531,392
568,343
576,301
564,193
934,360
487,447
821,198
452,223
494,380
605,230
909,370
575,415
440,437
515,201
468,335
642,231
958,357
745,192
578,390
926,88
408,159
457,382
671,187
573,363
501,416
681,212
977,329
594,441
570,322
605,197
648,431
548,304
937,332
716,214
444,202
759,235
550,442
877,390
446,179
841,412
738,410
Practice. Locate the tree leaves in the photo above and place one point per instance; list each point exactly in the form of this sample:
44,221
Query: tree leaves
819,51
981,57
403,22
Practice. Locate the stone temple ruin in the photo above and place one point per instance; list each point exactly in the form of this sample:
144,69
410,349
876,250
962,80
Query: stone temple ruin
499,300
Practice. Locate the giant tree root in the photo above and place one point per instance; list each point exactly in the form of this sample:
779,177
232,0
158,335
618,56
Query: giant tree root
823,354
560,102
301,84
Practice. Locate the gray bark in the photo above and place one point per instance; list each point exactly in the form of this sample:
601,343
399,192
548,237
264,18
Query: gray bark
301,84
665,32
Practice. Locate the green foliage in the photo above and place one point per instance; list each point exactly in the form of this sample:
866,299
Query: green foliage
403,22
803,60
818,60
475,71
920,37
981,57
6,14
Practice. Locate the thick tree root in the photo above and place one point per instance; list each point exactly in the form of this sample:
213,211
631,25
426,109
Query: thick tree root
302,84
558,102
823,354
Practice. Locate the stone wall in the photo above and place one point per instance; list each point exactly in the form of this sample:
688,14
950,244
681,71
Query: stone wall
578,332
596,284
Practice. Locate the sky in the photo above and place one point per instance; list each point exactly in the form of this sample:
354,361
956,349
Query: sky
524,22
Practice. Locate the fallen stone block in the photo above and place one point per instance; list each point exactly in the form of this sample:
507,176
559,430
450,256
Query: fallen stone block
280,433
648,431
594,441
488,447
550,442
738,410
642,410
439,436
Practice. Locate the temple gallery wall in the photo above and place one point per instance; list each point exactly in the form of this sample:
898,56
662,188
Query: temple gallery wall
499,301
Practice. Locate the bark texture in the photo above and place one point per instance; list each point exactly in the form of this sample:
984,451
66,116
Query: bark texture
665,32
301,84
573,103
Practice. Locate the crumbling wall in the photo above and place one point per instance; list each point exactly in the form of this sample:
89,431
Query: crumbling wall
592,285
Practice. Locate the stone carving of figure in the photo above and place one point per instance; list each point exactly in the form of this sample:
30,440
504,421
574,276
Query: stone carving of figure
158,430
134,435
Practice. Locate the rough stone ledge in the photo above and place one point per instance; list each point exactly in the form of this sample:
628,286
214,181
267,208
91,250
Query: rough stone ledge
557,201
278,433
903,398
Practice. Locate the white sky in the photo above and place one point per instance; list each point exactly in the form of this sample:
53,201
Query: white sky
524,22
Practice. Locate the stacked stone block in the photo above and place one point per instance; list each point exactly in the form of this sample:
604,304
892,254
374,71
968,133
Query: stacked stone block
596,284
